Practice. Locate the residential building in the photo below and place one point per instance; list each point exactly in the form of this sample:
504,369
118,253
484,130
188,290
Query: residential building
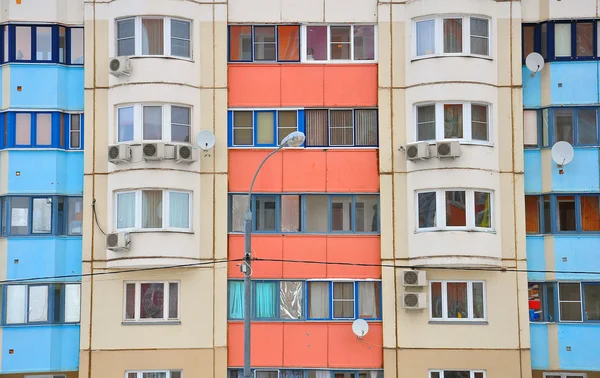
41,187
562,200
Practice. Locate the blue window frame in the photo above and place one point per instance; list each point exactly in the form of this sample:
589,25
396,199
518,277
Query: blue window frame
563,213
41,215
307,373
264,43
575,125
307,213
564,301
41,303
307,300
262,128
562,40
27,43
42,130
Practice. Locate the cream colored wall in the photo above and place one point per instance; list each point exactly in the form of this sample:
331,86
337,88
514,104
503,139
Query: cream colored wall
539,10
63,11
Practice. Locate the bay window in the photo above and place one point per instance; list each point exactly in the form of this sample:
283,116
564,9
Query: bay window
457,300
153,209
454,209
452,35
469,122
151,301
155,374
154,36
154,122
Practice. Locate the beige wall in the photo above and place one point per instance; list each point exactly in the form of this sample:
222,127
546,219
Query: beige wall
63,11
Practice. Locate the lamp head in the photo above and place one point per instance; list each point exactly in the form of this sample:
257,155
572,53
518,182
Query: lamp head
293,139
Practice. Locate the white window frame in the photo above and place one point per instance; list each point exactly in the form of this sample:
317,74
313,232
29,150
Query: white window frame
138,123
580,301
439,36
445,318
471,372
440,210
166,36
165,210
138,298
139,373
303,44
46,376
77,131
564,375
467,129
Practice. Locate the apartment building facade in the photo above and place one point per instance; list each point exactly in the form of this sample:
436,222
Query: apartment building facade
41,187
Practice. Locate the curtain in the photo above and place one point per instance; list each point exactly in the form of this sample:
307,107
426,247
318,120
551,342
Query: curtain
43,134
152,301
15,303
152,209
590,213
364,42
316,127
425,37
453,35
343,300
236,299
457,300
290,213
453,121
318,300
366,127
341,130
291,299
266,299
125,210
179,210
427,209
288,39
173,300
42,216
23,129
38,303
265,123
130,301
368,299
152,36
562,39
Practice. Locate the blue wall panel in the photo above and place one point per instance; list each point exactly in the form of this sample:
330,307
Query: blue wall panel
46,87
581,338
532,89
579,82
539,346
47,172
580,175
43,257
40,348
535,258
581,252
533,171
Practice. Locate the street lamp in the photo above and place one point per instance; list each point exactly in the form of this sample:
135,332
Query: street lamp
294,139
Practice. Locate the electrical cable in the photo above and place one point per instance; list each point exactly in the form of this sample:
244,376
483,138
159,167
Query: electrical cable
96,217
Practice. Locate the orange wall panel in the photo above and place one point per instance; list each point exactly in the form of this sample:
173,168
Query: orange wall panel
308,248
266,247
357,249
302,85
305,171
307,344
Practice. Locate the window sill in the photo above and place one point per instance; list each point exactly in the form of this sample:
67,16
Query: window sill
170,57
461,141
164,322
313,148
265,233
455,322
328,62
436,56
134,143
40,324
135,231
42,62
303,320
423,231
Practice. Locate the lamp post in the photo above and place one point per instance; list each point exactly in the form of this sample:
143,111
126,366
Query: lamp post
294,139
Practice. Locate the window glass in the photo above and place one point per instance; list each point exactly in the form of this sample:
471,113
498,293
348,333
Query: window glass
570,301
264,213
436,300
61,132
265,125
566,213
341,128
545,128
125,210
240,43
238,204
530,128
288,43
287,122
453,35
536,302
152,300
478,307
480,37
290,213
152,209
544,38
369,300
72,303
551,299
181,124
266,299
456,300
77,46
528,40
457,374
483,209
584,42
291,299
62,44
532,214
173,300
318,300
562,40
23,43
43,129
316,127
366,127
590,213
453,121
19,216
455,208
125,122
38,304
236,299
152,123
426,122
317,213
563,125
181,38
547,215
591,293
264,43
153,36
130,301
343,300
479,122
341,213
427,209
587,132
75,132
316,42
16,304
42,216
179,210
5,29
425,37
75,215
23,129
242,128
126,37
364,42
340,42
367,213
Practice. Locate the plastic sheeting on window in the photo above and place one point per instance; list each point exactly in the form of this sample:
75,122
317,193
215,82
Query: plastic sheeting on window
38,303
15,304
291,300
72,302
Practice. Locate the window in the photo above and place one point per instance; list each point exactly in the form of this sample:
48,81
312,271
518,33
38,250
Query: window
155,374
461,209
75,131
569,301
530,128
295,373
23,129
562,40
456,374
339,43
574,301
578,126
457,300
565,375
43,129
341,127
154,36
264,43
42,303
41,215
40,130
262,128
451,36
573,213
151,301
154,122
321,214
468,122
542,302
23,43
153,209
76,48
43,43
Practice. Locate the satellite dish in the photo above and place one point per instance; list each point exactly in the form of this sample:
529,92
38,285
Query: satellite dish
562,153
534,62
360,327
205,139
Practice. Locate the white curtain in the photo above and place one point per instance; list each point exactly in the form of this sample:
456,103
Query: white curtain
318,299
72,302
425,37
125,210
152,36
179,210
15,304
453,35
316,127
323,374
367,307
38,303
562,39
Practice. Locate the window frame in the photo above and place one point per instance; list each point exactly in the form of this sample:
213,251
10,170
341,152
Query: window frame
444,298
167,39
252,43
439,36
60,127
544,306
232,128
51,302
561,374
466,122
140,373
470,214
138,123
165,211
304,44
551,129
9,36
138,298
442,372
543,285
542,227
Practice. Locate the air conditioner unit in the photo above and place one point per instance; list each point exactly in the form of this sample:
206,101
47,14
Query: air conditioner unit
118,241
184,154
449,149
414,278
119,65
417,151
118,153
153,151
414,301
